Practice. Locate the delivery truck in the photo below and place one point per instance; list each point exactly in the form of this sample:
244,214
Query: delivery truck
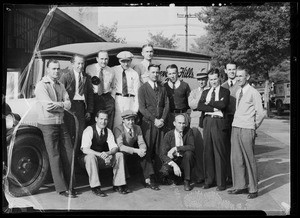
28,161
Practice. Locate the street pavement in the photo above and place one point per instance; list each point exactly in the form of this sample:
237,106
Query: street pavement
272,151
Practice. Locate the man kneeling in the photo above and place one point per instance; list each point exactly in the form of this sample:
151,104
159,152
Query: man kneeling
101,151
177,153
130,140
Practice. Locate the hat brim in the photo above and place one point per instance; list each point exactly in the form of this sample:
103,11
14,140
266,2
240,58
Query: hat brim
128,116
202,77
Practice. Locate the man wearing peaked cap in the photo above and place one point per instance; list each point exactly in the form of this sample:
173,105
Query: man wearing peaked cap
193,100
129,138
125,55
126,85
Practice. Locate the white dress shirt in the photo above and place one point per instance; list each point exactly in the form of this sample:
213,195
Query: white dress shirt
208,97
108,77
178,140
87,137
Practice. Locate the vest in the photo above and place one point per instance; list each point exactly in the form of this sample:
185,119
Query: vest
99,143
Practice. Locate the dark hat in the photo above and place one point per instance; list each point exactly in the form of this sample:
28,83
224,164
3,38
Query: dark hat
201,76
95,80
125,55
127,114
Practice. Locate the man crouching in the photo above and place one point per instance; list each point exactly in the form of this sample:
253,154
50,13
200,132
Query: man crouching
177,153
101,151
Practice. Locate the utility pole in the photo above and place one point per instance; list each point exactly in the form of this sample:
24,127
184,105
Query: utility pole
186,16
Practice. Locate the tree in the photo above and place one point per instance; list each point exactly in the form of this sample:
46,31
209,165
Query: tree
109,33
162,41
256,37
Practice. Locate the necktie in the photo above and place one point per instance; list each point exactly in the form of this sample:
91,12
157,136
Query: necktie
80,84
130,132
155,87
101,132
124,84
101,84
213,95
240,96
231,83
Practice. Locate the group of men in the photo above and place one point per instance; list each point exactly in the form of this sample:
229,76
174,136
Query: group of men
106,103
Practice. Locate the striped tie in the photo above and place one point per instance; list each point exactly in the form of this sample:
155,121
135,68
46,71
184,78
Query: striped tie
80,84
101,84
240,96
124,84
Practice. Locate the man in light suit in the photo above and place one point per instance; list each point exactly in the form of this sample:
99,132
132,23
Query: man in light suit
79,88
103,87
232,86
154,106
126,85
213,104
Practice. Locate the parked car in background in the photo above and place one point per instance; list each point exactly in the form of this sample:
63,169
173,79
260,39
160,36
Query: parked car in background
281,97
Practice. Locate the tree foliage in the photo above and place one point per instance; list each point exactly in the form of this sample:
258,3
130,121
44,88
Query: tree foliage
159,40
256,37
109,33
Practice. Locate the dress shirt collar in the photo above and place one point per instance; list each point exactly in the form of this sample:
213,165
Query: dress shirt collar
98,68
152,83
177,84
233,81
126,128
245,88
48,79
217,89
99,130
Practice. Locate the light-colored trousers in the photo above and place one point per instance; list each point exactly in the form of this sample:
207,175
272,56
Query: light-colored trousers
122,104
93,163
243,163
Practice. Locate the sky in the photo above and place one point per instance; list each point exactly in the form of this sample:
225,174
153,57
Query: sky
134,23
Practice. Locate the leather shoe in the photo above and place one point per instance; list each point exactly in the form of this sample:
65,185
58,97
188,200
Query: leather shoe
152,186
252,195
220,188
119,189
126,189
187,186
68,194
238,191
98,192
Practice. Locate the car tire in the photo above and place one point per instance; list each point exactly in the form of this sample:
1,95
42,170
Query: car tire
28,166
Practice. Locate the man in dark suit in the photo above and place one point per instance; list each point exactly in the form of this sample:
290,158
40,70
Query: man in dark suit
154,106
79,88
129,138
232,86
213,104
177,152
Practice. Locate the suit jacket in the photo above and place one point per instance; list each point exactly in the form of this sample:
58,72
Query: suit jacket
152,106
169,142
68,79
232,101
125,142
222,105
